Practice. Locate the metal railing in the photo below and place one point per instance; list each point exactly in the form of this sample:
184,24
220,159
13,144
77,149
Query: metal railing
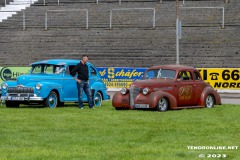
97,1
24,23
44,2
46,15
208,8
127,9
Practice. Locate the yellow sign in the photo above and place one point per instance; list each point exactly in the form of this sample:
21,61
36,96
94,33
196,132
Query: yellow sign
222,78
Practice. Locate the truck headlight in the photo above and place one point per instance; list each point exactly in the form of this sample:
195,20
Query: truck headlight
124,91
4,86
38,86
145,91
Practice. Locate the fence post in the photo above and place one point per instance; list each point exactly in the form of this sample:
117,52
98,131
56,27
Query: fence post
223,18
86,19
120,2
24,21
154,18
45,20
110,19
58,2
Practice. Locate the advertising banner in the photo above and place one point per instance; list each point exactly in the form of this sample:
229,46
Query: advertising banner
11,73
119,77
222,78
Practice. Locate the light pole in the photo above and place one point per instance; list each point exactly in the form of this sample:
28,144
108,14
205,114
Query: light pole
177,34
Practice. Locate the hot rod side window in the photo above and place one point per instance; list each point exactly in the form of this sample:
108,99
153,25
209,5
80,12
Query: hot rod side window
197,76
184,75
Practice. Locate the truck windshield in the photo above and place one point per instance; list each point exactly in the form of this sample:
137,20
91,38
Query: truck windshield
46,69
160,73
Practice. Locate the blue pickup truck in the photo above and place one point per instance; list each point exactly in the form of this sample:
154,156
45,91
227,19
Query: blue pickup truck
50,83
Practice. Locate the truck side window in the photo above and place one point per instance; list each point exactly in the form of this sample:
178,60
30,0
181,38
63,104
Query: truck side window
93,72
69,69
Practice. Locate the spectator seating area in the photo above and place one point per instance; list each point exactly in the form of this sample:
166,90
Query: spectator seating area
132,41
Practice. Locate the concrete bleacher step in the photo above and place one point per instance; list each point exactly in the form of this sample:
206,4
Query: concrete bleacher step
131,42
13,7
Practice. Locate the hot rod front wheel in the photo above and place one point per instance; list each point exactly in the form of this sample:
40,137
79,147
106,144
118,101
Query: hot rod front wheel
209,101
52,100
162,105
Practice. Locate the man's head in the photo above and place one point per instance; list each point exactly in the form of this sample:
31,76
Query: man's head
85,58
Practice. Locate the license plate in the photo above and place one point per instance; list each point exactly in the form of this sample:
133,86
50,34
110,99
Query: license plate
17,98
141,105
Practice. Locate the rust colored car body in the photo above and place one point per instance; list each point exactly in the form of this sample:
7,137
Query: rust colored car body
166,87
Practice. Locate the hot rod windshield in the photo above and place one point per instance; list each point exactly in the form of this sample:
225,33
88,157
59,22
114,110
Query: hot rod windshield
46,69
160,73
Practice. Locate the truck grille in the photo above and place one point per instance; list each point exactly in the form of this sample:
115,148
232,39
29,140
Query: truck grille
14,90
134,91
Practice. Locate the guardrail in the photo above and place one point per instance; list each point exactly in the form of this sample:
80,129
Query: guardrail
127,9
46,15
208,8
97,1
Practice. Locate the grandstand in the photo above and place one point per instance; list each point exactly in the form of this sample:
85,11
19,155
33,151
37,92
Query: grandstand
132,41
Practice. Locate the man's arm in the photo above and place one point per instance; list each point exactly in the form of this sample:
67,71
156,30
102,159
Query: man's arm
73,73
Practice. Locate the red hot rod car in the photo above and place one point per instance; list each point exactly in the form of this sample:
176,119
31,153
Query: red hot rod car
167,87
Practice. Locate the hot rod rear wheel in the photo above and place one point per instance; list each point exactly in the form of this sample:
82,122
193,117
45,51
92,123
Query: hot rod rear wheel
209,101
162,105
97,99
10,104
52,100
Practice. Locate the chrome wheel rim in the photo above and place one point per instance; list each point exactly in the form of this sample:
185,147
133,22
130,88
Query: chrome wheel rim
162,104
98,99
209,101
52,100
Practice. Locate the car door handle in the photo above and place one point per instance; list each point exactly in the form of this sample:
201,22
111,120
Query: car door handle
194,85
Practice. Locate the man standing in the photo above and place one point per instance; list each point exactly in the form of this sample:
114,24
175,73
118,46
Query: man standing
82,81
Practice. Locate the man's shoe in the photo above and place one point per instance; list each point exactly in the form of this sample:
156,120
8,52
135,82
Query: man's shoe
92,108
80,107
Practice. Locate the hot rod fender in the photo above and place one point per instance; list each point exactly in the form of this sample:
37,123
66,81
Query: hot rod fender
153,98
206,92
120,100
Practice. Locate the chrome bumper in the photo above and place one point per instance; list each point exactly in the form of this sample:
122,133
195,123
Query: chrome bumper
21,98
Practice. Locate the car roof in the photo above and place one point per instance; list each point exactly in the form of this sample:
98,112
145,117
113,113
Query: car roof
57,62
174,67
